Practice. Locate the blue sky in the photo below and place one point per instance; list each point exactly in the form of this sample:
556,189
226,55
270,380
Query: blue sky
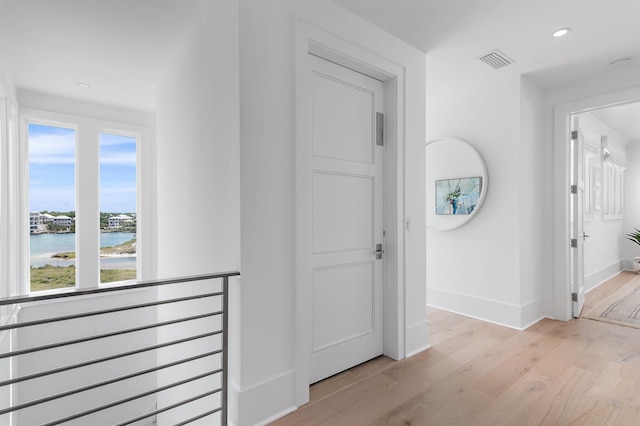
52,170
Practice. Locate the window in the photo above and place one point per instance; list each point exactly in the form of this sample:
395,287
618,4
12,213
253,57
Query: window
613,185
52,206
118,214
80,207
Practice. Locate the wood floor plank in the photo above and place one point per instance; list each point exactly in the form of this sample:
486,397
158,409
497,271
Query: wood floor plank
502,377
402,414
360,391
598,414
373,367
614,384
600,352
558,406
329,386
497,332
311,415
439,320
630,412
579,372
629,352
467,327
514,401
367,411
559,402
459,410
433,370
558,360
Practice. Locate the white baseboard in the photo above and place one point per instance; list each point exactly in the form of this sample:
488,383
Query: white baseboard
417,338
532,312
594,279
508,315
264,402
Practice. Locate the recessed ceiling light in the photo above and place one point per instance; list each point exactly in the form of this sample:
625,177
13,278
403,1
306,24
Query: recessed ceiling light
620,62
84,85
561,32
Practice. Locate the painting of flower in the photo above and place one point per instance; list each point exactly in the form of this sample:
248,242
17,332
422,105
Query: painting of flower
457,196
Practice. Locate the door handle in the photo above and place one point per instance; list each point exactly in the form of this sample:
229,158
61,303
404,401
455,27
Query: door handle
584,236
379,252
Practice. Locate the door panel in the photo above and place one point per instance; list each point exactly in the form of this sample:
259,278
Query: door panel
351,312
345,130
346,206
343,212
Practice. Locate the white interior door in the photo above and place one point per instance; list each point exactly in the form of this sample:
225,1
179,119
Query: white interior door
347,204
577,217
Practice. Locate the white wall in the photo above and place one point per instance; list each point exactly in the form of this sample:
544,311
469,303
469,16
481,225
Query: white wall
511,270
198,178
267,64
56,104
605,85
533,233
74,354
476,269
5,79
8,273
197,149
8,134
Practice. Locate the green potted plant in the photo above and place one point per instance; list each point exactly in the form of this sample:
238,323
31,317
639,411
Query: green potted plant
635,237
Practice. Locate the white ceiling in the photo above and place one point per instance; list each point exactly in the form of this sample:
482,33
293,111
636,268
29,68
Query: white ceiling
454,33
120,47
625,119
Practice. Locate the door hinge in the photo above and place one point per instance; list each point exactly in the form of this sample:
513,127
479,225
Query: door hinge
379,129
574,135
574,243
574,297
574,189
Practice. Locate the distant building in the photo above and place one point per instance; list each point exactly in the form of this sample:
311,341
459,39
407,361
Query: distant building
47,218
36,222
120,221
62,220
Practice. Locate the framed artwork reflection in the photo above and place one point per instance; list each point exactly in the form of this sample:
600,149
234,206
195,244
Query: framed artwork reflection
457,196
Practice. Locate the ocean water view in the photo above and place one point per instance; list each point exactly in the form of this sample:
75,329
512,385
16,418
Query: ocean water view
43,246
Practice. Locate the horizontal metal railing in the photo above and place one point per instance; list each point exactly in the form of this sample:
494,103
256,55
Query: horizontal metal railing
189,324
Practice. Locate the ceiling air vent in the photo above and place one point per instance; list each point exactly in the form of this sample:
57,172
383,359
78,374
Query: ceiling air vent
496,59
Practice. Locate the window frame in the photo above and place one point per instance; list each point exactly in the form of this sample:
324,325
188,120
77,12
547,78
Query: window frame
9,204
87,186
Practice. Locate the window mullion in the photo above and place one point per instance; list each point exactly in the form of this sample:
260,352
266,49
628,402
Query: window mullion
87,206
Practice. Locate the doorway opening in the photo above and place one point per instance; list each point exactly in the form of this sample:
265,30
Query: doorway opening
603,167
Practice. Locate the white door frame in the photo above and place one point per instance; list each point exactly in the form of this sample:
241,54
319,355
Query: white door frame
561,182
310,39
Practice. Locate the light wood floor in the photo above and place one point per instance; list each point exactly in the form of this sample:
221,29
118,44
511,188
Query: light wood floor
580,372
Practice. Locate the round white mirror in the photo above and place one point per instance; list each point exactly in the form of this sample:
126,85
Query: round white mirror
457,183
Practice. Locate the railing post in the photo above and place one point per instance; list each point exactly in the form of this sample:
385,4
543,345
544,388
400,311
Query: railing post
225,349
